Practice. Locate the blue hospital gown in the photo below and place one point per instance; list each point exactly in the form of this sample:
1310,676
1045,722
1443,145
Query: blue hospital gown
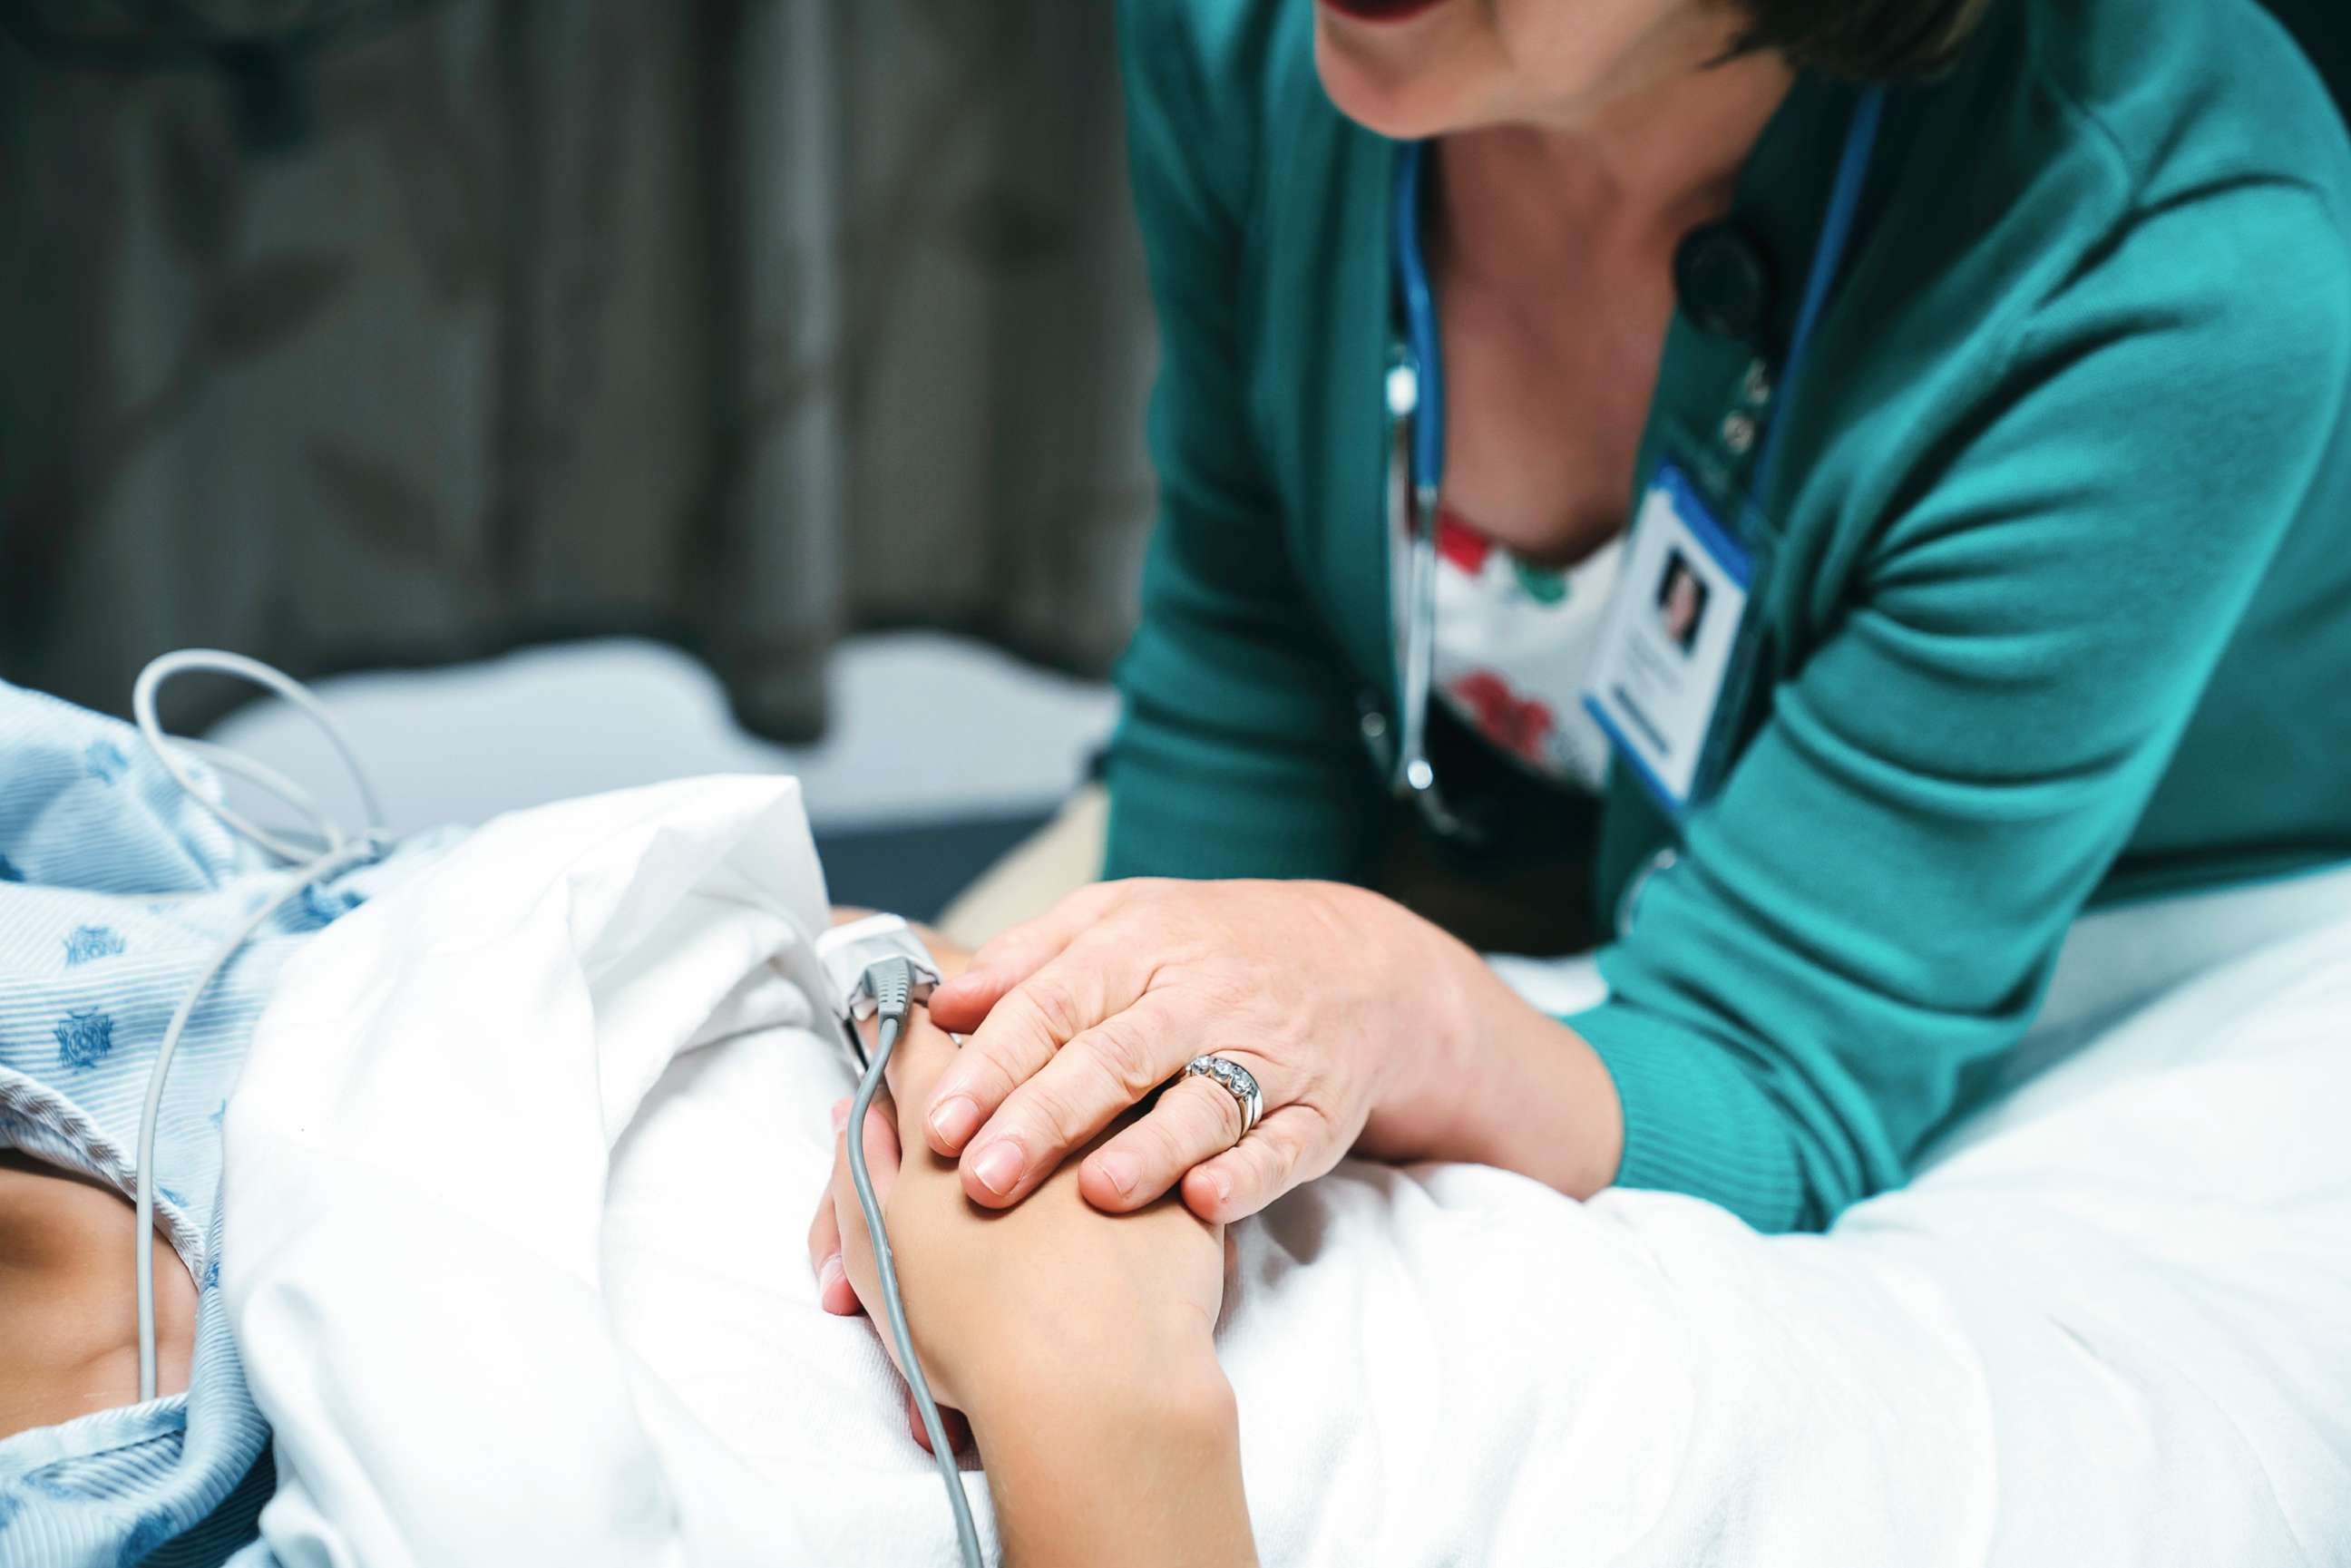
116,889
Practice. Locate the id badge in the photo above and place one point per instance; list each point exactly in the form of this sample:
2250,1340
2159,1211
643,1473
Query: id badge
1673,642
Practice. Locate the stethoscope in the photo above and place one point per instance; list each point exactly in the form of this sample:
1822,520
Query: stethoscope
1416,404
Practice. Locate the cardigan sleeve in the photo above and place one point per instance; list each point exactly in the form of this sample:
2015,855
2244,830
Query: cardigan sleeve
1873,905
1237,752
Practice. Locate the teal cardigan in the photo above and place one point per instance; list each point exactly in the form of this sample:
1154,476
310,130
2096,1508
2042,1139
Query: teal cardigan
2061,613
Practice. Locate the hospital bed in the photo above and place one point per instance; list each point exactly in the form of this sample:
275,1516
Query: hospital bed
524,1140
522,1146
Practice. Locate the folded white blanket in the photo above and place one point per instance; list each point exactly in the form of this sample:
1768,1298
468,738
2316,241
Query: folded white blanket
519,1170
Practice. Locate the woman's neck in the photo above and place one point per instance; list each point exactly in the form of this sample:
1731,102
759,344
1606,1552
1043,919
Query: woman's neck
1642,169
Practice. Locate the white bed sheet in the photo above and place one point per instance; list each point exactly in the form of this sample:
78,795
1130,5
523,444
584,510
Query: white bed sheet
521,1164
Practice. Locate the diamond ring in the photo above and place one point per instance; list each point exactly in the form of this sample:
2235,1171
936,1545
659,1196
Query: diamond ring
1238,1082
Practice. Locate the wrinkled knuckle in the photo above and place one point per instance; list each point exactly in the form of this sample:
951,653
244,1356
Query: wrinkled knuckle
1166,1142
1124,1056
1054,1009
1057,1116
1014,1035
981,1072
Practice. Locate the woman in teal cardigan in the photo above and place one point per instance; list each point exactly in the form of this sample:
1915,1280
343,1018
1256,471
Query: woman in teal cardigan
1983,362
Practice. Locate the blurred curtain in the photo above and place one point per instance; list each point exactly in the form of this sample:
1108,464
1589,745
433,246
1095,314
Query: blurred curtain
743,323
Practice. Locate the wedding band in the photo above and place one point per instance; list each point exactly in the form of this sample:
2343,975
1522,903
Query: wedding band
1238,1081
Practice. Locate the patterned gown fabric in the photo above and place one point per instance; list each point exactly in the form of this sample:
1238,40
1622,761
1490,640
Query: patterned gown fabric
116,891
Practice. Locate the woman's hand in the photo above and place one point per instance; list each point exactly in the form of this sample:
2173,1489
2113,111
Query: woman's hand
1348,1010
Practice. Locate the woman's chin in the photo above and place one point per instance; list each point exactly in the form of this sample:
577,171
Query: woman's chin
1395,76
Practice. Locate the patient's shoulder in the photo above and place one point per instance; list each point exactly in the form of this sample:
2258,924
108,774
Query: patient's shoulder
69,1312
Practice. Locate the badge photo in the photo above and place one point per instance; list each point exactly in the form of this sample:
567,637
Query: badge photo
1673,630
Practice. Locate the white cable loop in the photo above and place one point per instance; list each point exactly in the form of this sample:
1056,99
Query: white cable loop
325,834
341,853
214,660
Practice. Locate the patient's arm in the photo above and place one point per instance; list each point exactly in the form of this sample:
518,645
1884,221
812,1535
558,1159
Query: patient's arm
1078,1344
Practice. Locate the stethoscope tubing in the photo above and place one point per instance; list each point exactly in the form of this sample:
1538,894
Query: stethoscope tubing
1416,398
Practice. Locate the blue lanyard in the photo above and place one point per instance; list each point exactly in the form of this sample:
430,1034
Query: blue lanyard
1421,341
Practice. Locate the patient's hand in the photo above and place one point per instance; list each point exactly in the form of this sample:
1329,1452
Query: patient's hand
1077,1343
991,1295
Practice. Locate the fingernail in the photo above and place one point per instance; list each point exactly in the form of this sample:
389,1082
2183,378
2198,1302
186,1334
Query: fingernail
1119,1170
954,1119
998,1167
839,1115
829,1274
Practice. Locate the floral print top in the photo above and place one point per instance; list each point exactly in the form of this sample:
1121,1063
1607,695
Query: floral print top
1513,644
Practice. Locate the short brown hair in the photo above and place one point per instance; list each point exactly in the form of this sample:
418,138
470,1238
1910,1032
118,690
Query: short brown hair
1862,40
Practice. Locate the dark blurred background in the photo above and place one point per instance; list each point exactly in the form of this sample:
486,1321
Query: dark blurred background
589,391
364,335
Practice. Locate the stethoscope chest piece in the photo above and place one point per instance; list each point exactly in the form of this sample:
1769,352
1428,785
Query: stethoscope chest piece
1725,282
